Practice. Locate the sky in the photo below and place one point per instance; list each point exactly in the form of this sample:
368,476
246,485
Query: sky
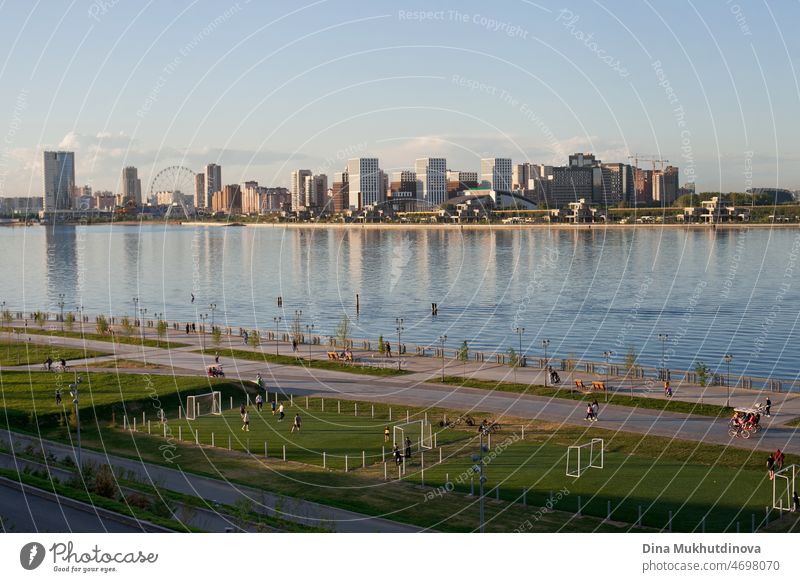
263,88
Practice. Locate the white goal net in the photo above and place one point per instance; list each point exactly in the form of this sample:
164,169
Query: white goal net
203,404
586,456
783,487
419,431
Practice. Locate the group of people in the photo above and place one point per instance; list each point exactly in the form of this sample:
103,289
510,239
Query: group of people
592,410
397,453
48,364
775,463
746,420
554,377
191,328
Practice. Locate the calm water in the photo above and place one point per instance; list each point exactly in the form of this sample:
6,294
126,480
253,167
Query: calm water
587,291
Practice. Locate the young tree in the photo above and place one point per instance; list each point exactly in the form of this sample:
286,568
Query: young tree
216,335
381,345
127,326
702,372
39,318
630,360
343,331
463,355
69,321
161,329
101,324
7,317
254,338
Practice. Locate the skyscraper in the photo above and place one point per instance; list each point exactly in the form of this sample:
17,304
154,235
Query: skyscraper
299,189
131,186
431,181
365,182
340,192
496,174
213,183
200,190
59,180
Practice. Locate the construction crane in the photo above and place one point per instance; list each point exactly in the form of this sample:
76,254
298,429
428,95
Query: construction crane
654,159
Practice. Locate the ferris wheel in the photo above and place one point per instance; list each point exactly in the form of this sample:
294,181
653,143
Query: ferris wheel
170,186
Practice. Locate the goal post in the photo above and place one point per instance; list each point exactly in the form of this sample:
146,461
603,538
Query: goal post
419,431
783,487
589,455
203,405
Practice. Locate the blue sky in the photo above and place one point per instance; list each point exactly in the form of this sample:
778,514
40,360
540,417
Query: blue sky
265,87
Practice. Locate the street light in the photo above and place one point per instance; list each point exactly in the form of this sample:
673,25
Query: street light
482,431
213,308
277,321
73,392
400,329
80,313
545,343
442,340
663,338
203,317
520,331
309,331
61,306
728,358
135,309
607,355
143,311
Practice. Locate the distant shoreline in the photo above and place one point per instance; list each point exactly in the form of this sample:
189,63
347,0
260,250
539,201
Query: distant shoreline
553,226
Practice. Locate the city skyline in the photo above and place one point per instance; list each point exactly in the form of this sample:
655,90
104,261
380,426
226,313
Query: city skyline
531,83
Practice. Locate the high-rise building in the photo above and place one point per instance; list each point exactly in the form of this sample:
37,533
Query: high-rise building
131,186
213,183
315,189
643,180
521,176
59,180
228,200
402,192
200,190
431,181
365,182
299,189
496,174
458,181
581,160
665,185
570,184
251,197
618,184
340,192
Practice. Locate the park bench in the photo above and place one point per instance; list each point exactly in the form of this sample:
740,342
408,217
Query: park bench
601,386
579,385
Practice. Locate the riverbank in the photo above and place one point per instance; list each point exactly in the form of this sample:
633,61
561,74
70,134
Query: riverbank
432,226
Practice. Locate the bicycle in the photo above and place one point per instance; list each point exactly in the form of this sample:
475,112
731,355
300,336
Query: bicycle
739,431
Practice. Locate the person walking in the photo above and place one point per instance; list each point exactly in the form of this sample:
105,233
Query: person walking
296,423
388,350
259,402
589,412
49,363
386,434
272,405
595,410
216,358
58,397
769,404
244,337
242,410
778,459
408,448
771,466
667,389
398,457
246,421
796,501
281,413
187,329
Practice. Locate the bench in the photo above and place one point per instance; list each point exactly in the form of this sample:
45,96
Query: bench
599,386
579,385
333,356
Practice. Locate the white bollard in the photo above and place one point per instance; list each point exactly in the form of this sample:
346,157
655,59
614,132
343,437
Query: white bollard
165,430
291,399
134,424
373,411
355,409
284,452
266,455
390,413
363,459
440,456
306,402
231,402
345,464
434,440
323,404
407,416
144,418
230,448
404,464
324,460
213,440
338,407
385,472
180,412
197,437
180,433
523,432
383,454
148,427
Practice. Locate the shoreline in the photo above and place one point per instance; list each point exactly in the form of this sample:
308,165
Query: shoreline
553,226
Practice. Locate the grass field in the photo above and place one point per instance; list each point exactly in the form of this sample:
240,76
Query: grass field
617,398
14,353
133,339
692,480
265,356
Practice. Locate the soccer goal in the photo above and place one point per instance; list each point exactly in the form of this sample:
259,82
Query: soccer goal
419,431
783,487
203,404
585,456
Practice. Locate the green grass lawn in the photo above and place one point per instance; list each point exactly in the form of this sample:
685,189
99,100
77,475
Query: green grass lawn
264,356
133,339
568,392
690,479
14,353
